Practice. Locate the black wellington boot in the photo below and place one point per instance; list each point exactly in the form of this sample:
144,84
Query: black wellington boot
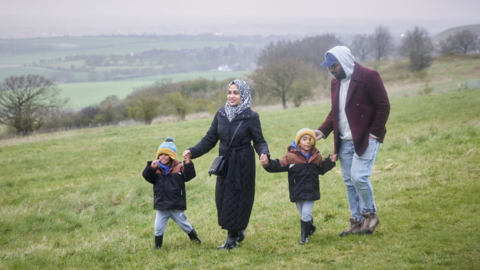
305,227
194,237
232,241
158,242
313,228
241,236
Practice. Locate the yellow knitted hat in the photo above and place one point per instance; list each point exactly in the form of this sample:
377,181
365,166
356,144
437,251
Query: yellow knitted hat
306,131
168,148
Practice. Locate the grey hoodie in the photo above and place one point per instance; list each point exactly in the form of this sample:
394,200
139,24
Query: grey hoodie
347,61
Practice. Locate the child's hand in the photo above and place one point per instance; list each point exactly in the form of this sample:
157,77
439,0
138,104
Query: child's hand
187,153
333,158
154,164
186,156
186,159
264,160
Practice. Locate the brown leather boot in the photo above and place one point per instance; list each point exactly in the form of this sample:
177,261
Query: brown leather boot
369,223
354,227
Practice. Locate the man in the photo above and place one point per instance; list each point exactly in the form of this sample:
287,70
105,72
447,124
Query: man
360,110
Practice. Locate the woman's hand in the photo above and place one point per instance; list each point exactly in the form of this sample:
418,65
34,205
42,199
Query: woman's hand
333,158
154,164
264,160
187,154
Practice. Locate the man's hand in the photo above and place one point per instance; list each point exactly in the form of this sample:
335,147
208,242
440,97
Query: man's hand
264,160
318,134
333,158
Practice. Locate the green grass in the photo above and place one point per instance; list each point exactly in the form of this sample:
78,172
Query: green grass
77,199
84,94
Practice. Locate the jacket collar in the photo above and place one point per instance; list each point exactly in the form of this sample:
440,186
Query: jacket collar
296,151
245,114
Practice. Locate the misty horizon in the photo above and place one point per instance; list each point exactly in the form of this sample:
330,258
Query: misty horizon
42,26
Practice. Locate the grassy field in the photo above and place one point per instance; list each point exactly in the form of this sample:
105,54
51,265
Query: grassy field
77,199
104,45
84,94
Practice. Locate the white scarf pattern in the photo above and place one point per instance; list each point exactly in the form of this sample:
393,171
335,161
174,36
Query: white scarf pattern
246,101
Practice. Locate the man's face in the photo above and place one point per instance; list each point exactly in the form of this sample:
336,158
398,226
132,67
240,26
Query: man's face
337,71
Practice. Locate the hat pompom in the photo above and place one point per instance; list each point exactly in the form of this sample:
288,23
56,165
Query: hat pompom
168,147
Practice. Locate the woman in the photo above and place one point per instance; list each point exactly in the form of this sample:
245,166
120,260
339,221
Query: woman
234,193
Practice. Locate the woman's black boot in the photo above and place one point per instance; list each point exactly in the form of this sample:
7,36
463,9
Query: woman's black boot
232,241
194,237
158,242
241,236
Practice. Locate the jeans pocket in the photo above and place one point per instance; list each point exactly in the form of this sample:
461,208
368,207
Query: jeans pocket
371,150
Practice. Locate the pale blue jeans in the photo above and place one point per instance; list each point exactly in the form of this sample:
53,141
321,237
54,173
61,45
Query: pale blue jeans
176,215
355,172
305,209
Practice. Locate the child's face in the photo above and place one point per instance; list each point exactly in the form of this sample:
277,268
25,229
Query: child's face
164,159
304,143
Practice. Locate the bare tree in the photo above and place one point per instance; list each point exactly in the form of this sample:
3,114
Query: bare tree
25,102
417,45
462,42
276,79
309,49
466,41
381,42
361,46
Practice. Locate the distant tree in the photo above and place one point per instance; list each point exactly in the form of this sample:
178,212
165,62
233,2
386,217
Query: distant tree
146,106
361,46
381,42
310,49
179,104
466,41
25,102
462,42
277,78
301,90
417,45
110,112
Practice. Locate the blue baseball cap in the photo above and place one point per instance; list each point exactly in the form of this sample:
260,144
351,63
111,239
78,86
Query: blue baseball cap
330,59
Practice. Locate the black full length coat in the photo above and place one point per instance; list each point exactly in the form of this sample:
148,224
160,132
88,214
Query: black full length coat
234,193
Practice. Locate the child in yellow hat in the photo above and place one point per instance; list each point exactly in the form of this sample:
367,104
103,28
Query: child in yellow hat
303,162
168,176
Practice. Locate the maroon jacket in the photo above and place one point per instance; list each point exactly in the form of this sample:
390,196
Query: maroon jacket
367,108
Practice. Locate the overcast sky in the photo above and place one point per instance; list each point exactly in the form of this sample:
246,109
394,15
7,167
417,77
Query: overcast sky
222,15
379,9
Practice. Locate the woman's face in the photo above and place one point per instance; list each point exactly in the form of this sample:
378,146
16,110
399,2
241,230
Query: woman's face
233,95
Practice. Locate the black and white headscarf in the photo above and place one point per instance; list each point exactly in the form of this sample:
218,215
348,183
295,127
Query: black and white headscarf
246,101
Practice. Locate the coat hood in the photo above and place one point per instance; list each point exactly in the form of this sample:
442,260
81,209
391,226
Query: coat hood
345,58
